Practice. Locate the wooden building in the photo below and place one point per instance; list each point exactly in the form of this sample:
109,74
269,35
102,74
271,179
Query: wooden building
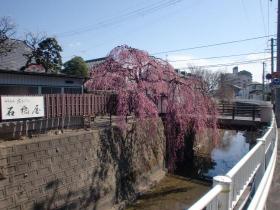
29,83
17,79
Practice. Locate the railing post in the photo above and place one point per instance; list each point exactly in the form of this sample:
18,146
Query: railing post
261,169
224,198
233,112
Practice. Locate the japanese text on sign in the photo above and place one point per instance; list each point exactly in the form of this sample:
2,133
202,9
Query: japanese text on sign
18,107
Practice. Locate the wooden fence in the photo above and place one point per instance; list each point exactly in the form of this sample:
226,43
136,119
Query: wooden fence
61,105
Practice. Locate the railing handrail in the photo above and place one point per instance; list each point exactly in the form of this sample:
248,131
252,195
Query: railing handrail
207,198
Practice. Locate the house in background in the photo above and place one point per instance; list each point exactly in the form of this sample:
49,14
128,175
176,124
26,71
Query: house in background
255,91
238,78
34,79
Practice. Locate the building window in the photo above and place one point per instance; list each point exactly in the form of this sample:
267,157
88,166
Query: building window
72,90
50,90
69,82
18,90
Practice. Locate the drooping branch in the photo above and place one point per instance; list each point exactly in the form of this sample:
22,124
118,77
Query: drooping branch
141,81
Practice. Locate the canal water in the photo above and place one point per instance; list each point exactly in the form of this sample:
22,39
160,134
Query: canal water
193,179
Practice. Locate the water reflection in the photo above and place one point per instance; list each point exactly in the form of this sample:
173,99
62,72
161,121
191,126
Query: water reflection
209,161
234,145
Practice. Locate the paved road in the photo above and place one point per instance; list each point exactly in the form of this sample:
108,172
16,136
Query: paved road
273,200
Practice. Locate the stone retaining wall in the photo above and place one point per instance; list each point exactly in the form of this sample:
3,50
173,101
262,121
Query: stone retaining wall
97,169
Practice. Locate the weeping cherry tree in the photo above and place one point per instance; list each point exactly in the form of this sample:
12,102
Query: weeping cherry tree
146,86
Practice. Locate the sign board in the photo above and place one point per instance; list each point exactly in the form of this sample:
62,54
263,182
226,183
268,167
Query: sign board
275,75
18,107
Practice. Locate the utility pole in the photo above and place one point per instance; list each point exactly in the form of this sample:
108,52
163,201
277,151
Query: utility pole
272,55
277,91
278,38
272,70
263,79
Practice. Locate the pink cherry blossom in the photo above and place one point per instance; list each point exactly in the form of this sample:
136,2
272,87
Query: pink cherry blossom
146,85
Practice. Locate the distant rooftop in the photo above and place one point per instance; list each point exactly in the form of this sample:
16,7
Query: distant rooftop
93,62
5,71
15,59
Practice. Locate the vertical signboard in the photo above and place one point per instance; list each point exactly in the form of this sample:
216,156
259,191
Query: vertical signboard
19,107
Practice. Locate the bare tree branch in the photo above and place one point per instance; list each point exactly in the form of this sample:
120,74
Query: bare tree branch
7,31
209,79
32,40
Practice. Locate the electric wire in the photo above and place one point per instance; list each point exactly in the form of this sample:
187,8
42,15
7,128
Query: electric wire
216,57
230,64
212,45
262,16
123,17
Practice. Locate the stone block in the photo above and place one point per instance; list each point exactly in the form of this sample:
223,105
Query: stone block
55,168
73,162
52,151
28,205
10,170
44,171
15,208
3,161
21,149
2,193
14,159
33,146
10,190
21,196
34,164
42,154
29,156
38,182
47,161
21,167
45,144
9,151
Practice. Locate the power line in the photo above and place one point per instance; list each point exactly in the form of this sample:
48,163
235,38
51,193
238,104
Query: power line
230,64
262,15
212,45
268,17
123,17
215,57
160,18
244,9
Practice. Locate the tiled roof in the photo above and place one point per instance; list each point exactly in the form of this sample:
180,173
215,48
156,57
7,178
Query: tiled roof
93,62
4,71
15,59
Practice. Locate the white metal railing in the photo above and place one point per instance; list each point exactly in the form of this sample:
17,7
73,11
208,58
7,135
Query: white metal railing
244,171
259,199
253,173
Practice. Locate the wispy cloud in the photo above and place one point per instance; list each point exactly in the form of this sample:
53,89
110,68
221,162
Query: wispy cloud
74,44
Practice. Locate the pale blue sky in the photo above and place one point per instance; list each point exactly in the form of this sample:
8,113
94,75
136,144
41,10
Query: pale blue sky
91,28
